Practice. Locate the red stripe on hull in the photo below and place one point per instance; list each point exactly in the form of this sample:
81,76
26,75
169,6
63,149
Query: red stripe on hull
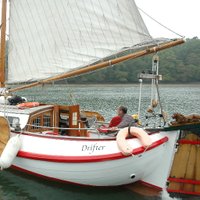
82,159
151,185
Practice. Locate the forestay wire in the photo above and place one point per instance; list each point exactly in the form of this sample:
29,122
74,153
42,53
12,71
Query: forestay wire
160,23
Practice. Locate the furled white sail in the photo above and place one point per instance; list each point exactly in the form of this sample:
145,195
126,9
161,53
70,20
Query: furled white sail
50,37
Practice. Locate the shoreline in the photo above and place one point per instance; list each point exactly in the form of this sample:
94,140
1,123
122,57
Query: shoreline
126,84
178,85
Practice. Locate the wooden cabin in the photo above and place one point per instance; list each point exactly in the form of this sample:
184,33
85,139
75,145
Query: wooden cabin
50,119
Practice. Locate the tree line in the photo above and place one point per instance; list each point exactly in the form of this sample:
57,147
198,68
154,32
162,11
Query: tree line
180,64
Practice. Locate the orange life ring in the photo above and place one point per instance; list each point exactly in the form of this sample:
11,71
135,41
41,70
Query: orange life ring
124,146
28,105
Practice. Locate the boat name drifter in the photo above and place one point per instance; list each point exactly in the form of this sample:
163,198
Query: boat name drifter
92,148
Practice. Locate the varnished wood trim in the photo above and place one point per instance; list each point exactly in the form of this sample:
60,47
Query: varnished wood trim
102,65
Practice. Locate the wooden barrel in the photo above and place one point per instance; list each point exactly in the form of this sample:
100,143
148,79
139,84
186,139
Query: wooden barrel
190,170
180,167
197,170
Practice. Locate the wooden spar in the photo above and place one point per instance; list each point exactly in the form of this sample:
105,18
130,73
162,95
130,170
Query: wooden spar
3,44
102,64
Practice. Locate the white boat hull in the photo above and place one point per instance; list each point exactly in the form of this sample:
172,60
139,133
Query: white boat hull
91,162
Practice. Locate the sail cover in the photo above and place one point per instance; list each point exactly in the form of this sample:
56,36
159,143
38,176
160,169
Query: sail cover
50,37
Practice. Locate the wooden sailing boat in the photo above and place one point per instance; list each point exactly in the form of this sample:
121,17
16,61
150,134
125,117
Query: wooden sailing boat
58,39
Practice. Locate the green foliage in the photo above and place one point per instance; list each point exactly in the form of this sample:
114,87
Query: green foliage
180,64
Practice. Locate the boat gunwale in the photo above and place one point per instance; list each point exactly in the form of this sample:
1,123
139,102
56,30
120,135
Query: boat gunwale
35,134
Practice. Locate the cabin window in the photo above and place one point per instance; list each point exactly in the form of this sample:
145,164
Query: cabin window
41,121
47,119
36,123
14,121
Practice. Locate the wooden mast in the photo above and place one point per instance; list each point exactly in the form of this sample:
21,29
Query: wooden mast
3,44
103,64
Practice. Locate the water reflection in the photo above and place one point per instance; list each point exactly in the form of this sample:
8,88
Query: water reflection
16,185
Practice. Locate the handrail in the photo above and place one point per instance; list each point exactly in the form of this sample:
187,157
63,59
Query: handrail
60,128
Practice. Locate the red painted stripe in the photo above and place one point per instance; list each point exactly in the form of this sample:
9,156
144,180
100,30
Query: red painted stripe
183,192
79,159
188,142
180,180
151,185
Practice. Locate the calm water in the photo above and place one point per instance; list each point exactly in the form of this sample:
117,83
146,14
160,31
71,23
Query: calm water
104,99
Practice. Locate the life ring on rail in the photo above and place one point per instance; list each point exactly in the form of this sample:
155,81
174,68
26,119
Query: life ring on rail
28,105
122,143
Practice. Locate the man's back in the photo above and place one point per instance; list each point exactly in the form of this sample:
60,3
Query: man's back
126,120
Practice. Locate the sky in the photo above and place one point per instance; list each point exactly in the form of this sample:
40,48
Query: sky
182,16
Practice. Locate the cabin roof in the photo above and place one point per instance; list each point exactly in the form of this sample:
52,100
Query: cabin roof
26,111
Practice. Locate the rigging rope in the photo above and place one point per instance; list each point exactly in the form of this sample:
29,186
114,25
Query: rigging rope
159,100
160,23
140,98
